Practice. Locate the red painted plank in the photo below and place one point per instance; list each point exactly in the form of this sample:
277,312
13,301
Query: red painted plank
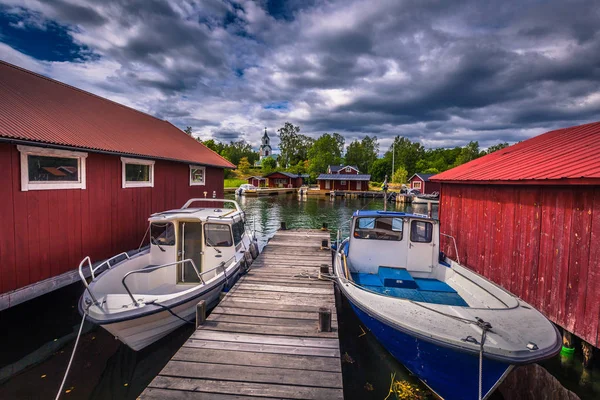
564,215
533,248
8,280
479,228
20,207
546,256
591,330
487,233
45,234
582,225
54,217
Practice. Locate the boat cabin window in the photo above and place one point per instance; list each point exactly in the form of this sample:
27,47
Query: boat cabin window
162,233
421,231
238,231
378,228
217,235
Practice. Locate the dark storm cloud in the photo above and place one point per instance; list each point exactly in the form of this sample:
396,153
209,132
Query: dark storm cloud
443,73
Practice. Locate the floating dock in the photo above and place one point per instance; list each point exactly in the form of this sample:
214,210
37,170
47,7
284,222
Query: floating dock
269,192
263,338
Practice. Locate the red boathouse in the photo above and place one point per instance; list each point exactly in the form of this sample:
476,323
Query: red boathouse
284,180
421,182
345,178
81,174
528,218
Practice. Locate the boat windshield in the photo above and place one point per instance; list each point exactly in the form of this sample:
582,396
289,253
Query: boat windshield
163,233
379,228
217,235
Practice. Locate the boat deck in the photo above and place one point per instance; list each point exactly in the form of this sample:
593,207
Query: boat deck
398,283
262,340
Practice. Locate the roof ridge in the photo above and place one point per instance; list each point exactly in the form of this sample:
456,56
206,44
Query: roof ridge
77,89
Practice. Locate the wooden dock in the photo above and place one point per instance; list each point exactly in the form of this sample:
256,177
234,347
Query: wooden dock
262,340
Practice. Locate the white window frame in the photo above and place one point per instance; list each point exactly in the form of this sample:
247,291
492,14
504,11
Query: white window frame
417,185
342,183
47,152
203,183
136,184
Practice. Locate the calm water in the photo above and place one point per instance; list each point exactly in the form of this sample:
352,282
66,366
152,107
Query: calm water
42,331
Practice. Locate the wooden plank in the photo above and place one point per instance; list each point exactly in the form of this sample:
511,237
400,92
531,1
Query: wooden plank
227,310
592,306
245,389
251,374
262,320
258,304
207,334
285,289
564,215
8,264
297,331
257,359
264,348
174,393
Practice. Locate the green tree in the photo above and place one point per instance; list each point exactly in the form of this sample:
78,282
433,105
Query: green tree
244,165
188,130
213,145
407,154
326,150
400,175
236,150
362,153
293,146
496,147
468,153
380,168
268,165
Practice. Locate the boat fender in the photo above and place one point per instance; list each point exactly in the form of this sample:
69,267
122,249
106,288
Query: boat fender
248,259
254,250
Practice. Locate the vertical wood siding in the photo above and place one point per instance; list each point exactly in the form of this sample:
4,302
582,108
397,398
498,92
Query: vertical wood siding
542,243
47,232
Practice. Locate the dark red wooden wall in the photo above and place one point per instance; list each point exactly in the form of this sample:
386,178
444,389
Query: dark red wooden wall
350,185
47,232
541,243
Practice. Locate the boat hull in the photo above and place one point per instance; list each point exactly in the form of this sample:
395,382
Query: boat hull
451,374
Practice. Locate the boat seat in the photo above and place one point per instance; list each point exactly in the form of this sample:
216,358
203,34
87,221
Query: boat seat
366,279
433,285
396,278
449,299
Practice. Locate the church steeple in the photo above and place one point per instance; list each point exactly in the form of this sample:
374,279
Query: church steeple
265,147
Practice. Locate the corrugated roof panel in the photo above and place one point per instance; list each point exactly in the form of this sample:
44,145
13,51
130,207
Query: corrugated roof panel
568,153
38,109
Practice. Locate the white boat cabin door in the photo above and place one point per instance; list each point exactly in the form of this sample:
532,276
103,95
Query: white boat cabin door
190,247
421,247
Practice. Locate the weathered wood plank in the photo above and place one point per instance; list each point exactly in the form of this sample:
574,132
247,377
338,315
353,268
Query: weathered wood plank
312,315
265,339
244,389
251,374
286,289
177,392
258,359
295,331
264,348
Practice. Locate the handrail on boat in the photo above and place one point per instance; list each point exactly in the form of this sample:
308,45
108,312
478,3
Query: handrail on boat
87,287
190,201
455,247
94,269
152,269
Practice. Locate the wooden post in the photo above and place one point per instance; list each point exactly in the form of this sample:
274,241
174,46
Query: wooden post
200,313
429,206
283,226
588,354
324,319
567,339
325,226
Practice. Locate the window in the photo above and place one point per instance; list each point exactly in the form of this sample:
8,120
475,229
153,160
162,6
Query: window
197,175
137,173
343,183
348,169
162,233
217,235
238,231
379,228
417,185
43,169
358,185
421,231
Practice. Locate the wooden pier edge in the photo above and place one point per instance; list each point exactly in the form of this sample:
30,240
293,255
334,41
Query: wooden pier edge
263,339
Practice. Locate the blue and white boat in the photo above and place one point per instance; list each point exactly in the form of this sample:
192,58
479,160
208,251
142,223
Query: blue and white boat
458,332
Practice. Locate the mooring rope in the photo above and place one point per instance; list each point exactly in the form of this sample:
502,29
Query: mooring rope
62,385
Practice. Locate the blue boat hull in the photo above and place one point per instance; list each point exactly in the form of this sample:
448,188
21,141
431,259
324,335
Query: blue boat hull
450,373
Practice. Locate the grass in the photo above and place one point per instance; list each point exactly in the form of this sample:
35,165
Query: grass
230,183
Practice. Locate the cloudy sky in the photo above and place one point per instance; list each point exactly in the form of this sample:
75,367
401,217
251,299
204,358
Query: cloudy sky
442,73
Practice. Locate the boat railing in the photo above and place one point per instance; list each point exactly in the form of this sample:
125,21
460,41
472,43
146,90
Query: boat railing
88,262
455,247
223,265
194,200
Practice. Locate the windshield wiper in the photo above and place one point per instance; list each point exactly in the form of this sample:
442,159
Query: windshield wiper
155,242
212,245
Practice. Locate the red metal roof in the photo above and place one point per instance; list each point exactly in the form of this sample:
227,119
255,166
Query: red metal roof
38,109
564,156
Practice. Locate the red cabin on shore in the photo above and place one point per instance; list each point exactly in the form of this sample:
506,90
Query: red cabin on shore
528,218
81,175
257,181
421,182
284,180
345,178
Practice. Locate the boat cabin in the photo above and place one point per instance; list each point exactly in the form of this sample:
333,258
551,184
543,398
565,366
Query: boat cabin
206,236
397,254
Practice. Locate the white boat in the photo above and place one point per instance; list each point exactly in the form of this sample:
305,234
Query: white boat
460,333
194,254
244,188
433,198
